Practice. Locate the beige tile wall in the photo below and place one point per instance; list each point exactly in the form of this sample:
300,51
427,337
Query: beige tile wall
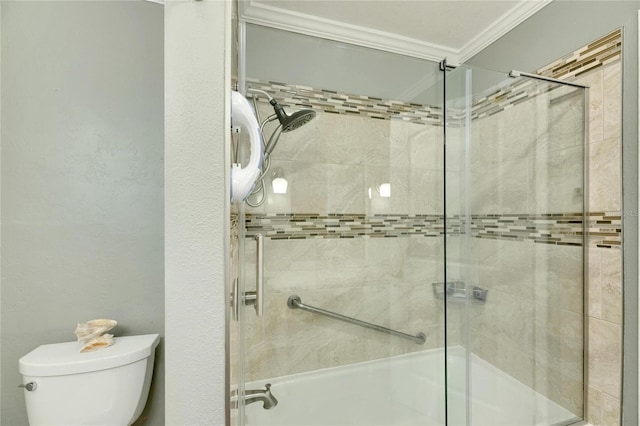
332,161
598,65
531,325
535,335
541,344
330,164
605,264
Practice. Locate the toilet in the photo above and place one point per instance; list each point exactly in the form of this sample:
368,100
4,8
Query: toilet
108,387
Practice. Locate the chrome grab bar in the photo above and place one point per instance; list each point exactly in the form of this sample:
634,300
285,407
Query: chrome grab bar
294,302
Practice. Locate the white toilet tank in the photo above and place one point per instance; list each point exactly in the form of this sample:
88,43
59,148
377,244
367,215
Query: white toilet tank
108,387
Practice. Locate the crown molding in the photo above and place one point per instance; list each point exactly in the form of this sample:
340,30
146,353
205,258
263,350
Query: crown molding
501,26
269,16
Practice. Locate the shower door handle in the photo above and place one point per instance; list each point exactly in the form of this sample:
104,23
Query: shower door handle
256,298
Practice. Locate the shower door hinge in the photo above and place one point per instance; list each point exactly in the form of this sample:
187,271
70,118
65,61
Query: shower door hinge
444,66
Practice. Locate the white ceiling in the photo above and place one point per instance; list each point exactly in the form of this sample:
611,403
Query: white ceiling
430,29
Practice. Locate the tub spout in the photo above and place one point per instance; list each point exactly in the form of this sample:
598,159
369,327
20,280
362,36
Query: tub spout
255,395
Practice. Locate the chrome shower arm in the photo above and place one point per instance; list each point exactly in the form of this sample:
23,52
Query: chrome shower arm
251,89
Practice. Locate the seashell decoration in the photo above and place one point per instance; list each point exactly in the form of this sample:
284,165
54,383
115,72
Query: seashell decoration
86,331
91,333
98,343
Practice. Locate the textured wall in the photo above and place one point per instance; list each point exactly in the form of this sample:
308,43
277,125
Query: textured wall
197,83
82,178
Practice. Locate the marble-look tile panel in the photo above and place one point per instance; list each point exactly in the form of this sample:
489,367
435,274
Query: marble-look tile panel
611,410
611,286
612,94
425,192
343,139
556,340
605,175
344,188
509,324
560,120
424,310
560,388
504,190
415,146
594,407
557,276
385,260
495,139
307,190
423,263
605,356
506,356
280,361
595,81
290,255
594,282
562,171
341,253
497,267
334,277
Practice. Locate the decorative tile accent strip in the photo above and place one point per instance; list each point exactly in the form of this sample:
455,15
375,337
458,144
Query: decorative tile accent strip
560,228
332,102
604,229
521,90
293,226
603,51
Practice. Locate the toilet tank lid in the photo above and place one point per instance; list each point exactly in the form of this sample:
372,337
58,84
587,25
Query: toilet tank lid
65,358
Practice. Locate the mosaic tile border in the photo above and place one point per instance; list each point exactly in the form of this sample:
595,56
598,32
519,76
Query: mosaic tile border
604,51
601,52
332,102
521,90
604,228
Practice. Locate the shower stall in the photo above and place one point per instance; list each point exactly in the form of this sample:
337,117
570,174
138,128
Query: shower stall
413,252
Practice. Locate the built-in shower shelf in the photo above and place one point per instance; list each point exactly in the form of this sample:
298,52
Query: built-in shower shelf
459,292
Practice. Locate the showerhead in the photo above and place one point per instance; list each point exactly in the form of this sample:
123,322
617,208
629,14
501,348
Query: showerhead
298,119
293,121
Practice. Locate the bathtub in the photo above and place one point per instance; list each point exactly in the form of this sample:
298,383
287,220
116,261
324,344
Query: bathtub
404,390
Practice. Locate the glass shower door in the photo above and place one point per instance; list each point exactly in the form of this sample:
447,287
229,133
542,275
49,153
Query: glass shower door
515,188
352,330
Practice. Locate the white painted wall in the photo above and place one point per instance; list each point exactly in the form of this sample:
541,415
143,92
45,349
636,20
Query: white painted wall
197,84
82,178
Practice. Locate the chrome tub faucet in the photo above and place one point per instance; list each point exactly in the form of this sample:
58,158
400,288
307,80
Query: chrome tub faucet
255,395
